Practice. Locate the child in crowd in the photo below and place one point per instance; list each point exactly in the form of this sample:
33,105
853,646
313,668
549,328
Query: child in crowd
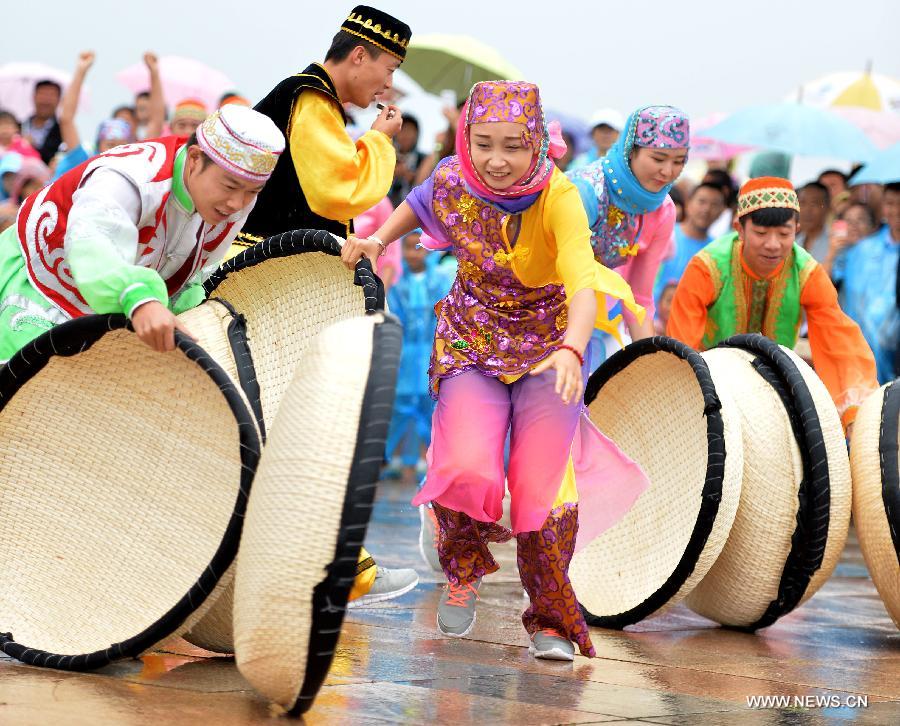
665,306
412,299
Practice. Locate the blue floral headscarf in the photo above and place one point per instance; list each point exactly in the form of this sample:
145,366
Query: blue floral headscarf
611,194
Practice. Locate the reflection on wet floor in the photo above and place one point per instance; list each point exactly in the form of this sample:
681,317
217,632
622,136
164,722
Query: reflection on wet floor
393,667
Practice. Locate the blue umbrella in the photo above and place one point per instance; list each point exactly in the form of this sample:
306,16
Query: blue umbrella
883,169
795,129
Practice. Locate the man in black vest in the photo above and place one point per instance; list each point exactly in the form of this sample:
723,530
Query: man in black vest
42,128
324,179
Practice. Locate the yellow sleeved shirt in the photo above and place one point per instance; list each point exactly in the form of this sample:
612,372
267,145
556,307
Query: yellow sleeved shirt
340,179
554,246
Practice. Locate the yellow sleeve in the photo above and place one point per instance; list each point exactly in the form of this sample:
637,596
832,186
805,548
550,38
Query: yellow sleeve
340,179
575,263
841,356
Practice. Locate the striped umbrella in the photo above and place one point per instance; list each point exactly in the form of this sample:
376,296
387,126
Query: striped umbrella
869,90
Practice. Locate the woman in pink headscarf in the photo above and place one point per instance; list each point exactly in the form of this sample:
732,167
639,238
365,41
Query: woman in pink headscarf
508,357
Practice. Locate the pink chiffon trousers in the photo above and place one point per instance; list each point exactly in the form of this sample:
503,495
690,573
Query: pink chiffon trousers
465,460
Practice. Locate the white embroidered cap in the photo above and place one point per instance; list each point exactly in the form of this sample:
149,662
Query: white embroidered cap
242,141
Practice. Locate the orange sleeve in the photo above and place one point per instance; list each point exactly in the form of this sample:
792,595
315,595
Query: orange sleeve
841,356
693,296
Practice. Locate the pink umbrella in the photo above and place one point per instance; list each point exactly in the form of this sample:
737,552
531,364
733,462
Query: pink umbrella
712,149
181,78
882,127
17,86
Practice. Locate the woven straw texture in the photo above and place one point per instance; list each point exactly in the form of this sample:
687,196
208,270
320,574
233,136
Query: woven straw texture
208,323
120,494
287,289
875,439
745,578
210,627
840,481
286,300
655,411
297,513
744,582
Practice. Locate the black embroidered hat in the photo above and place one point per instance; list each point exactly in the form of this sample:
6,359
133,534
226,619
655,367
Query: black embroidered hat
379,29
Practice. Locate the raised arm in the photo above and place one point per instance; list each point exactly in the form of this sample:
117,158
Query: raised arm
157,101
69,107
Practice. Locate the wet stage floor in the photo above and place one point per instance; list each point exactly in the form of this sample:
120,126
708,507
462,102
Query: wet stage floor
393,667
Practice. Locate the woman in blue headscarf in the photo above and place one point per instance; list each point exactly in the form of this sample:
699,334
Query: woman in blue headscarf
632,217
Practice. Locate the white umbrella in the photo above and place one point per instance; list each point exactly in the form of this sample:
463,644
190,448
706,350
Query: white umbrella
17,86
869,90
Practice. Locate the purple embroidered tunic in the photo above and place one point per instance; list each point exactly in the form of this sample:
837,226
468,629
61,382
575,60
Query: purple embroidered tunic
490,320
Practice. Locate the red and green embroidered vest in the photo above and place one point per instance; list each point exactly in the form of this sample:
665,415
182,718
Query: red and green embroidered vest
772,306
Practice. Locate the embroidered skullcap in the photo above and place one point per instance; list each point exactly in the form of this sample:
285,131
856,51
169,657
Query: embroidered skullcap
242,141
661,127
379,29
189,108
767,192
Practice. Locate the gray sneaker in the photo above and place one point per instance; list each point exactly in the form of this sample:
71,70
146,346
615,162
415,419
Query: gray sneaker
549,644
428,538
388,585
456,612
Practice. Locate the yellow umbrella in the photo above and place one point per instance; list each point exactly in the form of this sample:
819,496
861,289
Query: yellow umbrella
869,90
440,61
862,92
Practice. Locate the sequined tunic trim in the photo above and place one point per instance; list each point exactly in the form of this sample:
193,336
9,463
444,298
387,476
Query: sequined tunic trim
489,320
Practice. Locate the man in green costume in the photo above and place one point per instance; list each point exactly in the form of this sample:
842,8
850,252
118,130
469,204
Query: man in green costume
758,280
134,230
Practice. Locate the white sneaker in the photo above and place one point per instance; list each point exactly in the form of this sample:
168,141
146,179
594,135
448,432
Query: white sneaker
550,645
388,585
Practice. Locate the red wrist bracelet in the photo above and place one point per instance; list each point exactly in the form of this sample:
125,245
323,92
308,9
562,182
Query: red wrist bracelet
574,351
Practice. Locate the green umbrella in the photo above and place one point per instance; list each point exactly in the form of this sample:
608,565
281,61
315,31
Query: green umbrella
440,61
